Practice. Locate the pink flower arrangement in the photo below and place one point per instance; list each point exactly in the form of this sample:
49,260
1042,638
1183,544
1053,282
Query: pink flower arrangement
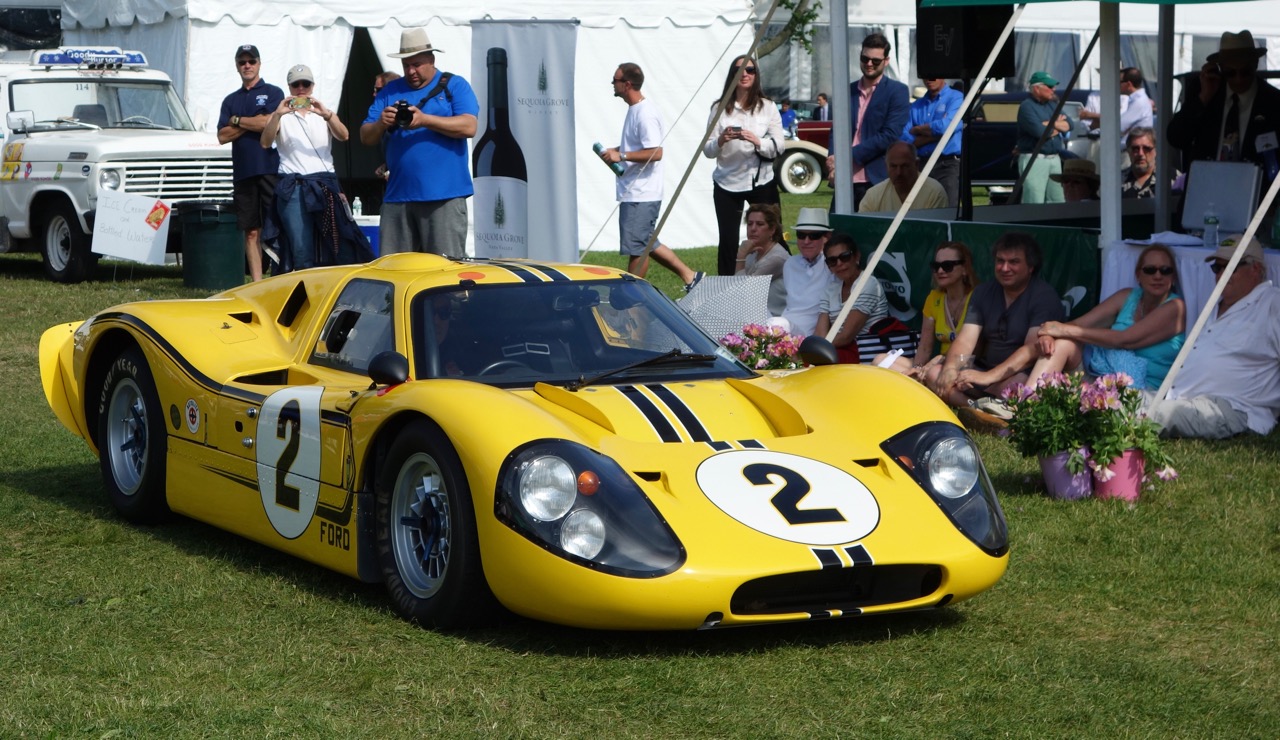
764,347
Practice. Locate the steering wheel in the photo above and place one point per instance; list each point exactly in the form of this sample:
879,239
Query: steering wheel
501,365
138,119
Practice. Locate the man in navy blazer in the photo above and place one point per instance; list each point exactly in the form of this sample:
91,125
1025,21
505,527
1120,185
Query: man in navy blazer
1204,127
882,122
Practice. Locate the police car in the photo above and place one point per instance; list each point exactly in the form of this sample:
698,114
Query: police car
82,120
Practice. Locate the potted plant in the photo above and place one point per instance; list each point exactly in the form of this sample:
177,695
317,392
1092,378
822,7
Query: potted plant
765,347
1123,440
1047,424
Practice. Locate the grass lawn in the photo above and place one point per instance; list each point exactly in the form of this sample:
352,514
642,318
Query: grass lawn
1154,621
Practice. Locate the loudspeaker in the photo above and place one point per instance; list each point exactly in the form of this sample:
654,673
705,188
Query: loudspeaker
953,42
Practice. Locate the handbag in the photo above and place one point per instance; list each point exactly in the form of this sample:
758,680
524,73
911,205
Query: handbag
884,335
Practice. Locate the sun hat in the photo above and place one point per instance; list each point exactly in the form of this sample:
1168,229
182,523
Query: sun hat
812,219
1042,78
1077,169
300,72
1227,247
1237,43
414,41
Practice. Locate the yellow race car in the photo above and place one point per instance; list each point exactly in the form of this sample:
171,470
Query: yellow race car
561,437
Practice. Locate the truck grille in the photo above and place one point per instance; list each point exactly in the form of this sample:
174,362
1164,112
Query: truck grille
187,179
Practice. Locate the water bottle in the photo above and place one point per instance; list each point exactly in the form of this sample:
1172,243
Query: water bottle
1210,227
617,167
357,208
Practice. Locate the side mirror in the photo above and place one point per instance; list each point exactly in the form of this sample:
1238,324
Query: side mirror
815,350
19,121
389,368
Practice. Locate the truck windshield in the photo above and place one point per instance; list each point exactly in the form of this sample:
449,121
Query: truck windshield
101,102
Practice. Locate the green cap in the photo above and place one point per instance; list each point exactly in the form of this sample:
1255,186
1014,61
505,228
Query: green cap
1042,78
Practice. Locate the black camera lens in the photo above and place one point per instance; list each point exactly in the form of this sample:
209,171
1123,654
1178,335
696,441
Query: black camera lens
404,116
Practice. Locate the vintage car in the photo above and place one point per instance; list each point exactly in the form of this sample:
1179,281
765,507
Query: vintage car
561,437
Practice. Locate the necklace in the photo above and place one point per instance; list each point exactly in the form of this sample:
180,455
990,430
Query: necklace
951,312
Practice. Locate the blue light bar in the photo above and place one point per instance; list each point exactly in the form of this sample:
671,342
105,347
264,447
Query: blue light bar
77,56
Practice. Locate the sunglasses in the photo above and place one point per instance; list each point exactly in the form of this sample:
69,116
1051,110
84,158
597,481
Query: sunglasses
872,60
1219,265
842,257
945,265
617,80
1142,148
246,62
300,83
1152,269
810,235
1233,72
749,70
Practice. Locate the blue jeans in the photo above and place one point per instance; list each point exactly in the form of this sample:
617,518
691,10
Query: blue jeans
299,230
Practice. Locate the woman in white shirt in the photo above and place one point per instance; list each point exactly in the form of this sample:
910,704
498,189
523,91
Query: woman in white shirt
309,208
745,140
764,252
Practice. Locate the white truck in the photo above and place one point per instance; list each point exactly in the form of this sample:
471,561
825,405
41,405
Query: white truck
78,121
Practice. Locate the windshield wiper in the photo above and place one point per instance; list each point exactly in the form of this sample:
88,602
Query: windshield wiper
68,122
674,355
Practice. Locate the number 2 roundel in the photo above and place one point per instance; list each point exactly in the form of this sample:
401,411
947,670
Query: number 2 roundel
289,458
793,498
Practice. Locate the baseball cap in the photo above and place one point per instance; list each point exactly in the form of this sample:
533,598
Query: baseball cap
300,72
1227,247
248,50
1042,78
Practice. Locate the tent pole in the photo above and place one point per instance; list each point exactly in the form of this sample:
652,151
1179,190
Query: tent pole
841,126
1109,156
1164,152
874,259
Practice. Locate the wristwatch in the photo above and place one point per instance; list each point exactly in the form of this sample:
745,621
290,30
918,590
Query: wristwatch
235,121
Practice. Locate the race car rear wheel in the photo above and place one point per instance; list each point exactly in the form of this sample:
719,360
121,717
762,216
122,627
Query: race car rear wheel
426,532
65,247
132,441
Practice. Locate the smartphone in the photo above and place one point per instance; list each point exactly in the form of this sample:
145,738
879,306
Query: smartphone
735,129
301,101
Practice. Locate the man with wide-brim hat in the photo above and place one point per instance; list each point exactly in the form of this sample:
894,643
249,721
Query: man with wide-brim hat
425,119
1236,121
805,274
1079,178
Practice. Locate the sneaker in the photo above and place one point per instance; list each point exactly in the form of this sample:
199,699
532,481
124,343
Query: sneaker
977,420
995,407
697,278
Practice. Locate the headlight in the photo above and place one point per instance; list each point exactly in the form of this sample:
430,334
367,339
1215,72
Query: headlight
580,505
943,461
109,179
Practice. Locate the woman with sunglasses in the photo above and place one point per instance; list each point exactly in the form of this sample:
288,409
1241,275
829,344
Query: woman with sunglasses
745,139
845,263
1137,331
309,219
765,252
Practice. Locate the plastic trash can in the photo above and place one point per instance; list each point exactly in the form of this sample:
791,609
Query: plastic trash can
212,245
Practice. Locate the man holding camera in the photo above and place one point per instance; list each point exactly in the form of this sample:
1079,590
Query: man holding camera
425,119
245,113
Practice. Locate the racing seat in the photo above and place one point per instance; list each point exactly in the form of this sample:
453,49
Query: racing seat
94,113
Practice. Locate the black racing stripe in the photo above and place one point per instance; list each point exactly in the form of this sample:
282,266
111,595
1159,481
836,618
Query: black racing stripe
827,557
520,272
181,362
720,446
820,615
697,432
859,555
250,483
551,272
751,444
666,432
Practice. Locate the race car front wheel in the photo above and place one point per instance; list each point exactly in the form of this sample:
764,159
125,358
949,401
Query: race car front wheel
426,532
132,441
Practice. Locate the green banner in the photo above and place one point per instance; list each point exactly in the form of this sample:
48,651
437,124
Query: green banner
1072,262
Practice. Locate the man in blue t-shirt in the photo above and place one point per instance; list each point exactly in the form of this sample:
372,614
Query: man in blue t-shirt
927,121
245,113
425,207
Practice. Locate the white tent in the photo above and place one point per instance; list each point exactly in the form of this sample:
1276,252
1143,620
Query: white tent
679,46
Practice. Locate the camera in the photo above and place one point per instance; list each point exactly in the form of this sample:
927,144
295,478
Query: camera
300,102
404,116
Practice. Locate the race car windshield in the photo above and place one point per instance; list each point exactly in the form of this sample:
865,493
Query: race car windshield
519,334
101,103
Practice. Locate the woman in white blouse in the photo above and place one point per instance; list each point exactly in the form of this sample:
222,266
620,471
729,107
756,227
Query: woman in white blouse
744,141
764,252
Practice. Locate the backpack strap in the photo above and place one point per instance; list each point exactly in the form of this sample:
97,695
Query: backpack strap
441,86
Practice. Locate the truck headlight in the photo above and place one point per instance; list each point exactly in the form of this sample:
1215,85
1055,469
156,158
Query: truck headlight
109,179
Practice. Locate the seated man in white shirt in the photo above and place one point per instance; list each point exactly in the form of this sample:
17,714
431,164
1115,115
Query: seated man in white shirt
805,275
1230,382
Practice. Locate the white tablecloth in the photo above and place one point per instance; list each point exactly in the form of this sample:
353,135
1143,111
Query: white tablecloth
1195,279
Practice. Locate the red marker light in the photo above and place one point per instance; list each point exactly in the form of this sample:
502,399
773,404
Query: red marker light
588,483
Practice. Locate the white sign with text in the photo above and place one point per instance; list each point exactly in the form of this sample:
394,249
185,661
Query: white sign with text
131,227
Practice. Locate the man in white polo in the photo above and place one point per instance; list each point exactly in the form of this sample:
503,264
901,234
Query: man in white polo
805,274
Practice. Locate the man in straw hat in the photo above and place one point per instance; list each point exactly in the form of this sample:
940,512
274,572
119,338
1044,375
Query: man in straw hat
424,118
805,275
1235,122
1080,181
1230,382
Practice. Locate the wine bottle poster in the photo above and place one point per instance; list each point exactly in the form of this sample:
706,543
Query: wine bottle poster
524,169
